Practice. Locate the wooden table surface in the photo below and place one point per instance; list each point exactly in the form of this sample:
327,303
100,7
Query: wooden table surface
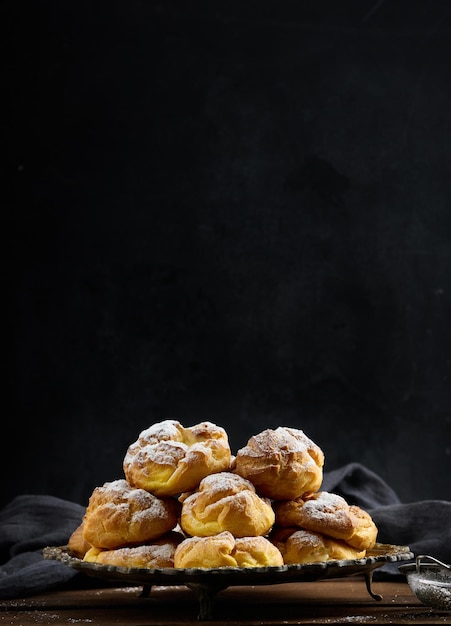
337,601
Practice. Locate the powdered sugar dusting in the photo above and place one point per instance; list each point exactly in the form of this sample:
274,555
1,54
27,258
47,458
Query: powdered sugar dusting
225,482
162,551
162,431
282,439
167,443
325,503
164,453
137,503
306,538
156,555
119,486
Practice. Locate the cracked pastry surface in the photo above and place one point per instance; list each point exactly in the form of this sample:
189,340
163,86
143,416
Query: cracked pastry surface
168,459
119,515
331,515
226,502
282,464
299,546
77,544
225,550
157,554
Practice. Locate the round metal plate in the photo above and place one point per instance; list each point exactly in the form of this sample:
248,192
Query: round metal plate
229,576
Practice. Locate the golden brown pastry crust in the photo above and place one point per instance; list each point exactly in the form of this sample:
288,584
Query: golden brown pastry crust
155,555
168,459
225,550
118,515
226,502
283,464
77,544
329,514
299,546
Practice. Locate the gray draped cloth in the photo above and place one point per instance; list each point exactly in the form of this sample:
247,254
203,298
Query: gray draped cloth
29,523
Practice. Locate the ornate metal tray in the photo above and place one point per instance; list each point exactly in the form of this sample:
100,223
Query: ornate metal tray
206,583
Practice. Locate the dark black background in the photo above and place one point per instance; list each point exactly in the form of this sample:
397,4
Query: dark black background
228,211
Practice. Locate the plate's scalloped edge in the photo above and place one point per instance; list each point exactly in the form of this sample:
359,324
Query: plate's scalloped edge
377,557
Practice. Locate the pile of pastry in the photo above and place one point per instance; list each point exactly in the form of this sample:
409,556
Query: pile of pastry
186,501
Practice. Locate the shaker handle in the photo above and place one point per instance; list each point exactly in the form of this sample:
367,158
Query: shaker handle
419,558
